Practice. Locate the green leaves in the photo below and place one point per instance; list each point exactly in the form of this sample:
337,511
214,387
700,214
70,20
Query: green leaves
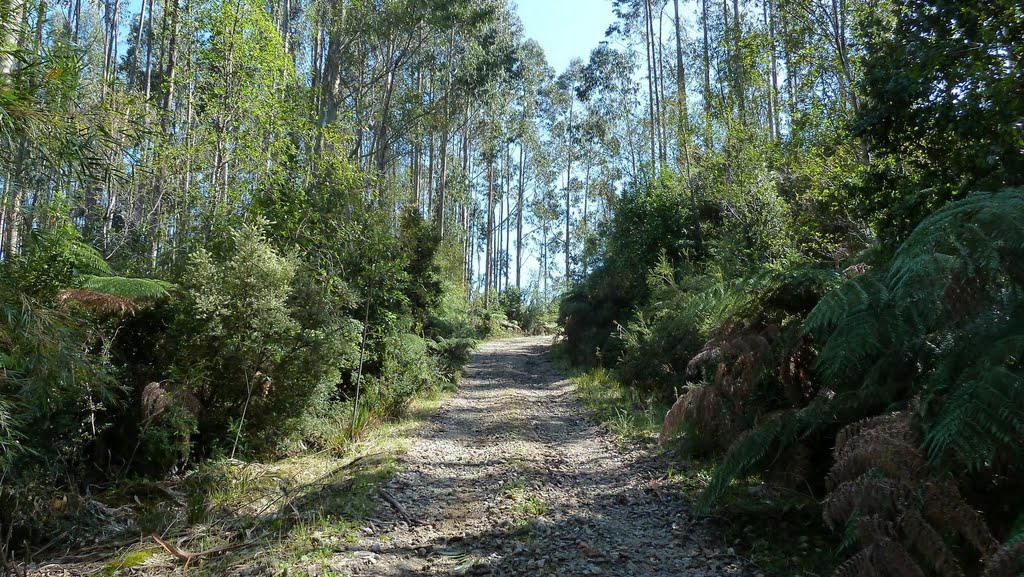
942,321
130,288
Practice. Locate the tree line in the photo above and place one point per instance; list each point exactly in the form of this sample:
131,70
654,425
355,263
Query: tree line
231,227
811,264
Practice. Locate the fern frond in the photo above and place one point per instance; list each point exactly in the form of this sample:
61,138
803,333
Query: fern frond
885,557
1008,561
68,244
130,288
97,303
865,495
944,506
754,450
929,543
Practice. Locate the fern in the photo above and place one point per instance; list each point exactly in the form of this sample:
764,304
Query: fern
130,288
68,244
752,451
1008,560
944,319
882,489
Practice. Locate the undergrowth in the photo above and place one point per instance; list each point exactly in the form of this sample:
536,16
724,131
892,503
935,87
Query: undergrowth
781,531
288,516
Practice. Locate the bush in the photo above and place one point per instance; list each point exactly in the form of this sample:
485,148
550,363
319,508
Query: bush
452,355
256,345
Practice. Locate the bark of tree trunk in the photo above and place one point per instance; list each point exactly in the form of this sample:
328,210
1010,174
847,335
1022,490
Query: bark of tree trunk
568,191
708,129
488,263
519,217
651,89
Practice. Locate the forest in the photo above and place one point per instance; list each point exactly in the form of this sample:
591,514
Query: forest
239,229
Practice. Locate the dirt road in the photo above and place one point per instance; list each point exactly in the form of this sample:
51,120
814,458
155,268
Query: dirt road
513,477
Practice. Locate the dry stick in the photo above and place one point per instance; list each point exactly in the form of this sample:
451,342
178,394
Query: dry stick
362,351
245,408
395,504
187,556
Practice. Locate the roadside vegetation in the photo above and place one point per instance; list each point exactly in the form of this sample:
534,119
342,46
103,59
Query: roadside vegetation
237,238
829,323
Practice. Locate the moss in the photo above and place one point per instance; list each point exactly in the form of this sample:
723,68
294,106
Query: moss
125,561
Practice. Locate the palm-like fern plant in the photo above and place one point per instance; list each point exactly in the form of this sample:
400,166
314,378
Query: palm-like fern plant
942,323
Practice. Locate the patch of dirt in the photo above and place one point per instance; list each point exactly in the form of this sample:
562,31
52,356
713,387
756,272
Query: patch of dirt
513,477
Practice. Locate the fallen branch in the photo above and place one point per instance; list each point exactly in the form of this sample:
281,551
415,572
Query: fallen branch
187,556
395,504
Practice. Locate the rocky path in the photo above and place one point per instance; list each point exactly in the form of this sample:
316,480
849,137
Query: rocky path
512,477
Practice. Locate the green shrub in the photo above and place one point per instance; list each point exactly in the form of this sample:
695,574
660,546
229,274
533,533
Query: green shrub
452,355
407,369
257,346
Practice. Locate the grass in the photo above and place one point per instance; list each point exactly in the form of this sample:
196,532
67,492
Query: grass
289,516
780,530
127,560
531,506
622,411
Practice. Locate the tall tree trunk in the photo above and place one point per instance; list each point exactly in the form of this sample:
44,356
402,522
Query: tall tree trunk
519,217
172,54
708,134
111,36
776,116
739,68
658,146
136,69
430,177
662,129
791,71
684,113
488,262
442,193
651,87
839,22
499,230
13,222
584,222
568,192
381,136
507,260
684,126
149,51
417,153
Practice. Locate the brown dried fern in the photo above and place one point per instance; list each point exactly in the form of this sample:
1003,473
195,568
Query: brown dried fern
699,406
945,506
852,430
795,466
795,374
884,558
873,529
1007,562
881,475
894,457
870,495
97,303
927,541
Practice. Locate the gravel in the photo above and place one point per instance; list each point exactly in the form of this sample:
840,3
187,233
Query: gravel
514,477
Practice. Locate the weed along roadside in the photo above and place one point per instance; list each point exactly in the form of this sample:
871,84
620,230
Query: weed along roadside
514,477
230,517
779,532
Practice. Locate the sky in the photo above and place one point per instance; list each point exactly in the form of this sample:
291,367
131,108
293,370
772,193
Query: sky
566,29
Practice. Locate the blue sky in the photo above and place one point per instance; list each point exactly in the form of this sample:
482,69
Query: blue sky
566,29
